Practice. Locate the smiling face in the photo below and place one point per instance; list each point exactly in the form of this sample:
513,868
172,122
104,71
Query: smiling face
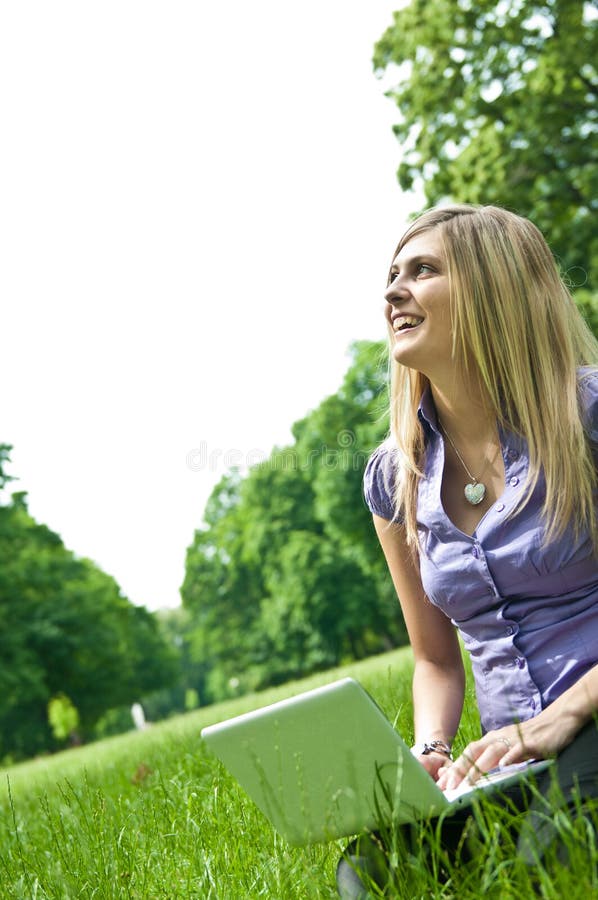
418,308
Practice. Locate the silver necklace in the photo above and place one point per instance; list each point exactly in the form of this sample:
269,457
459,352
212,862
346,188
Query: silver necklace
476,490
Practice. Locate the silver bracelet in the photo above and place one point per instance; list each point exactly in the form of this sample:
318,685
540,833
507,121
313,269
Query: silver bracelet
427,747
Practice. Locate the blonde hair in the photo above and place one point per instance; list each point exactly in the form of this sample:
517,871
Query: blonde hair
517,331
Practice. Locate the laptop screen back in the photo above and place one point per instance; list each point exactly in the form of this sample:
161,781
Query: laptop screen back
325,764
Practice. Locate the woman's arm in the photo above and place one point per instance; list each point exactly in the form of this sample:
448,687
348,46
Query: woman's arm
438,679
538,738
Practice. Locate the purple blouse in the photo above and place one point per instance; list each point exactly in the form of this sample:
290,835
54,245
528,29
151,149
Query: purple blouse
528,614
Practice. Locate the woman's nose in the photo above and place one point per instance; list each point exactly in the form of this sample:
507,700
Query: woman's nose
396,291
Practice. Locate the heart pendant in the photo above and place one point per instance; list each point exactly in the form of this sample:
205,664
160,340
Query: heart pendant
475,493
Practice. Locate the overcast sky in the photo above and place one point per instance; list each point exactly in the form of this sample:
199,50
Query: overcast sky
198,207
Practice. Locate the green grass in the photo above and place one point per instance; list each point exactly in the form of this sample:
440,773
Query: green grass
152,815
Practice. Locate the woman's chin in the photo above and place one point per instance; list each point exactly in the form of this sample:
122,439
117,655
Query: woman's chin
404,355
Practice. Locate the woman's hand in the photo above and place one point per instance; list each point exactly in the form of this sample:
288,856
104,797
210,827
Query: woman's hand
434,763
538,738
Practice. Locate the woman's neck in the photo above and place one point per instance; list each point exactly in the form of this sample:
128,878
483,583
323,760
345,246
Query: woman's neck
463,412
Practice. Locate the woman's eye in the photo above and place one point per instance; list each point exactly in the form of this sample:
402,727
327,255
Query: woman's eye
424,269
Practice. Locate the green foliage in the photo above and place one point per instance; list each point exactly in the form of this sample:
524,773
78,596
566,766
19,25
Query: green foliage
285,577
498,105
588,306
63,717
313,607
191,699
65,628
5,450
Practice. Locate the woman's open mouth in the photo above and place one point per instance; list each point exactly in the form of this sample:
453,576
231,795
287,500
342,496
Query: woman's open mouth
406,323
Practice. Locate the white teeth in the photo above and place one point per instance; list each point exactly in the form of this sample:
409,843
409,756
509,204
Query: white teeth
406,322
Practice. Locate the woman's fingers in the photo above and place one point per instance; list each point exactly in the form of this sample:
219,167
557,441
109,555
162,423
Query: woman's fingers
480,757
433,763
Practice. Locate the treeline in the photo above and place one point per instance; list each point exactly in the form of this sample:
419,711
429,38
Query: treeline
72,647
284,576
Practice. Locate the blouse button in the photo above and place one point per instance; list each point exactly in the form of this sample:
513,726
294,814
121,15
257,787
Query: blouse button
519,662
475,552
499,507
514,481
532,703
512,454
510,630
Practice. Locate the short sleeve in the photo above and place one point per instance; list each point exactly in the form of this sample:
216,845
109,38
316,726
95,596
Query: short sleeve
588,398
378,482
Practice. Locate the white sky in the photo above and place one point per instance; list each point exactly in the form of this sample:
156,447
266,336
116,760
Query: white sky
198,205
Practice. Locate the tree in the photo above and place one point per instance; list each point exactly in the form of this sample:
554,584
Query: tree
318,608
65,629
221,591
334,442
498,105
587,303
5,450
346,427
63,718
284,576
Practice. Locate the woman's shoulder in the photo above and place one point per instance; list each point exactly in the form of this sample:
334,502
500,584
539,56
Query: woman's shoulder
587,386
379,480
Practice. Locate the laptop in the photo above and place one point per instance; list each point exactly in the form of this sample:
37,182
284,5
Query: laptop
327,763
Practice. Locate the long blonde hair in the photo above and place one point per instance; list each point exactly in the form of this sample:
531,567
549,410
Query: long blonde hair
516,330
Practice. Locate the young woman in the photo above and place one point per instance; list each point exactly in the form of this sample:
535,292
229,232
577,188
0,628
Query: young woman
484,496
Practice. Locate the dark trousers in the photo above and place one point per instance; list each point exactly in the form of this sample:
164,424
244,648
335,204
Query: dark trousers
571,780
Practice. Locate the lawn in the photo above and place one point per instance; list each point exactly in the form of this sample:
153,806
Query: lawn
151,814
